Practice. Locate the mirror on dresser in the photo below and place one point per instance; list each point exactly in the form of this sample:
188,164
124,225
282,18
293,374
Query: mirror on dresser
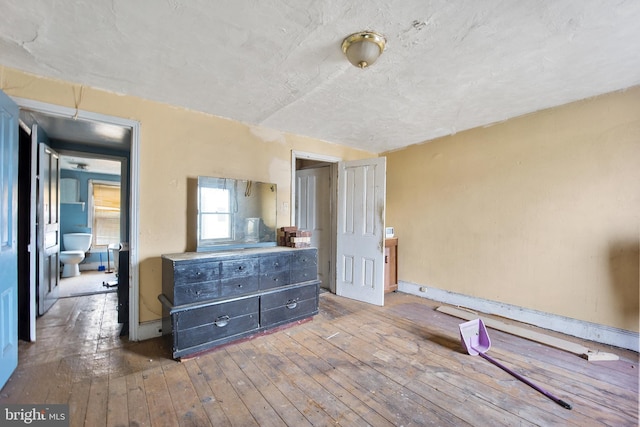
233,213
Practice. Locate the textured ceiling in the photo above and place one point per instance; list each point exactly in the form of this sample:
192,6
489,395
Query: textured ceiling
449,65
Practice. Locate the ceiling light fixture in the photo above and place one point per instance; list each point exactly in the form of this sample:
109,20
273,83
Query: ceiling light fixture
363,48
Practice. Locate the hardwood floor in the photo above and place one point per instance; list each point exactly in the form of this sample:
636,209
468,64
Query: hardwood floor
353,365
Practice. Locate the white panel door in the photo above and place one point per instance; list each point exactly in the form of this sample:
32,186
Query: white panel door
360,239
313,213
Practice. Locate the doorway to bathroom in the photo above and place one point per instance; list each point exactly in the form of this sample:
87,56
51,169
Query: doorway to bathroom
86,140
90,202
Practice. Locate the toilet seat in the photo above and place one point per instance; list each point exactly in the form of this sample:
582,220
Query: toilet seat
77,253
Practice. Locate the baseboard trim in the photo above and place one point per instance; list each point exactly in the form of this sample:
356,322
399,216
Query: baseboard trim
94,266
585,330
148,330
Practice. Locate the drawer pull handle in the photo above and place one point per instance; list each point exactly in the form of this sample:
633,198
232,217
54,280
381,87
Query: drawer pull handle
291,304
221,321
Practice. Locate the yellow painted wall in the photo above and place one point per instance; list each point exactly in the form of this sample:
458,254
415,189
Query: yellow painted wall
541,211
178,145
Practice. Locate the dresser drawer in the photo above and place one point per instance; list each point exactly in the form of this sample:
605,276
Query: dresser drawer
275,263
304,265
196,292
236,268
275,279
196,272
274,271
238,277
302,258
236,287
289,304
215,322
304,275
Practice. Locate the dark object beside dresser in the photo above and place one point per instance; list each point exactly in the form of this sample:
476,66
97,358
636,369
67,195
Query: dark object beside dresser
213,298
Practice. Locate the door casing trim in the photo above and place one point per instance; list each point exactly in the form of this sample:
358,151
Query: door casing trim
134,182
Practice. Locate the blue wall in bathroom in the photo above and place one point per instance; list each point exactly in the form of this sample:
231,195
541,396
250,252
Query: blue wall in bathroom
73,216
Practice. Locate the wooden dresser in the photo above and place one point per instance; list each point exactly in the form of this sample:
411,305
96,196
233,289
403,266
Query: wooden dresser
212,298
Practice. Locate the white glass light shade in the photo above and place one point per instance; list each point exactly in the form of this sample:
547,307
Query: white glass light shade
363,49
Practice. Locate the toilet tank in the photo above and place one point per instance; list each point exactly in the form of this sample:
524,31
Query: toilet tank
76,241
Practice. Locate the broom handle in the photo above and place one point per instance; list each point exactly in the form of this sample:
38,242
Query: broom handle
527,382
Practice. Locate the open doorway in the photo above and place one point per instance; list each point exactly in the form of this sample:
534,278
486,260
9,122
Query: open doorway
353,251
314,200
85,138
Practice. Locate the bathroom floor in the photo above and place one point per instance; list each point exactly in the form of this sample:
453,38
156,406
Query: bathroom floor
87,283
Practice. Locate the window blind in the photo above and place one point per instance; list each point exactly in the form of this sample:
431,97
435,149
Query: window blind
106,214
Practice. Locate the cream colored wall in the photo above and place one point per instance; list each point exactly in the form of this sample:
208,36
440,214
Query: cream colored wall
542,211
178,145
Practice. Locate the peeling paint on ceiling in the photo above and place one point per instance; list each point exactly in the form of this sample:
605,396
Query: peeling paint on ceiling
449,66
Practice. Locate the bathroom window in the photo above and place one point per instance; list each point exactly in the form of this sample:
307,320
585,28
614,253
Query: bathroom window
105,213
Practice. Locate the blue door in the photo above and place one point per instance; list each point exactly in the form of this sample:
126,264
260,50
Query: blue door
8,237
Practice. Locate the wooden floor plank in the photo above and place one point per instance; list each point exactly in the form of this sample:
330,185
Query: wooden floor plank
323,398
40,375
117,407
97,403
271,365
385,393
161,410
260,409
184,397
312,381
354,397
137,408
234,408
78,402
206,396
354,364
288,412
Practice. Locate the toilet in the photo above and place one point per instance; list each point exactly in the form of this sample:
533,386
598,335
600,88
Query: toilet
75,245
